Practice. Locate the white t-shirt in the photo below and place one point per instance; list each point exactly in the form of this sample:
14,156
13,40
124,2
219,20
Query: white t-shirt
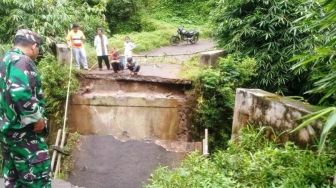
98,45
129,46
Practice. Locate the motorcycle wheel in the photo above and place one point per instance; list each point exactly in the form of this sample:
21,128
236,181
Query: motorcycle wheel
174,40
194,39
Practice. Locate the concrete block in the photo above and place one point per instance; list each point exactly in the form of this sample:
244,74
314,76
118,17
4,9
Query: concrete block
211,57
131,109
63,53
262,108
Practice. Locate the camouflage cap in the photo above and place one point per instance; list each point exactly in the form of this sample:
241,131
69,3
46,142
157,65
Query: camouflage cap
29,36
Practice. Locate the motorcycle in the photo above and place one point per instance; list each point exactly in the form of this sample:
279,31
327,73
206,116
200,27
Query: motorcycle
184,35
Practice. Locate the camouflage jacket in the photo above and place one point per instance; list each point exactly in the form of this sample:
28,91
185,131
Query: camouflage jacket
21,97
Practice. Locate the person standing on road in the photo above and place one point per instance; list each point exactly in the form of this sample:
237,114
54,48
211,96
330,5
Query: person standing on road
101,45
26,162
75,40
128,49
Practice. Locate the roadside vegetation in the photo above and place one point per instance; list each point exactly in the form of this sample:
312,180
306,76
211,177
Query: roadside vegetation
287,47
293,45
253,162
142,20
68,162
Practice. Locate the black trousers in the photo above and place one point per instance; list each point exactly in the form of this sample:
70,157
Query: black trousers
106,61
117,67
135,68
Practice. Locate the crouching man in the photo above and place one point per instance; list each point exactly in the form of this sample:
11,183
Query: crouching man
133,66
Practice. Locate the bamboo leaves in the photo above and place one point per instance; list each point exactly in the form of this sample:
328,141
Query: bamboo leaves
266,31
330,123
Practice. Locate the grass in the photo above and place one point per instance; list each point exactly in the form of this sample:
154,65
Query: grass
191,69
156,34
67,163
253,162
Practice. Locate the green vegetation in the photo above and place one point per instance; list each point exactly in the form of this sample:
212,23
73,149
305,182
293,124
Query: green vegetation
158,35
55,89
214,92
191,69
123,16
282,46
188,12
51,19
267,31
253,162
321,60
67,164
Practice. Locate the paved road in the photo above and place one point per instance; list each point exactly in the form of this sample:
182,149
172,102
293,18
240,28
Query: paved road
55,184
165,67
202,45
104,162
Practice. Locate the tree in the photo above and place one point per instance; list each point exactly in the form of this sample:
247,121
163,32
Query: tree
50,18
123,15
267,31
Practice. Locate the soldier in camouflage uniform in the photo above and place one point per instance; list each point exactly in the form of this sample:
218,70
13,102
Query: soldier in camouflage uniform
22,123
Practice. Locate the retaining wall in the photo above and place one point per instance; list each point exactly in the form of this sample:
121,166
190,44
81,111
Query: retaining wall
262,108
130,107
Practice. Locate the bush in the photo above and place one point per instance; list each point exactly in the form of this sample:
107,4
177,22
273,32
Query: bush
195,12
145,41
269,32
321,60
54,84
123,16
254,162
50,19
215,91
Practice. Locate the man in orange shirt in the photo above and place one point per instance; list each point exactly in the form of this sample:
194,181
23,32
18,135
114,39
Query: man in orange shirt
75,39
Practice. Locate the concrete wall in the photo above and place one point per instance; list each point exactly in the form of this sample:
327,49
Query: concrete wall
262,108
130,109
211,57
127,116
63,53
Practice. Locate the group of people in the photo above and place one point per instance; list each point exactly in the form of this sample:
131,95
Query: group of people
75,39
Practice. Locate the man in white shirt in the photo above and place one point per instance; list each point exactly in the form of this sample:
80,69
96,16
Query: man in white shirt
101,45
